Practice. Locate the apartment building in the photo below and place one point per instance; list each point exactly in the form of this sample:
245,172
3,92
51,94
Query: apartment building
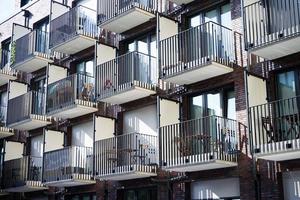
150,99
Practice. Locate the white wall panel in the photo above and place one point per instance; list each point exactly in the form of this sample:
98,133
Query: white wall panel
13,150
83,134
257,90
169,112
167,27
141,120
19,31
105,128
58,9
215,189
53,140
56,73
16,89
105,53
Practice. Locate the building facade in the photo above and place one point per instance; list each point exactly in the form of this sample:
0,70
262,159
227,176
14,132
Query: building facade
150,99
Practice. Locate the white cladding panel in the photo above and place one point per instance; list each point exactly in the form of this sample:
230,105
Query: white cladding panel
58,9
291,185
56,73
216,189
92,4
83,134
16,89
257,91
167,27
105,53
19,31
53,140
141,120
169,112
37,146
105,128
13,150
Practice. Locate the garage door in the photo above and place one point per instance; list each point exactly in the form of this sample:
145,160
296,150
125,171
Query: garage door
291,185
216,189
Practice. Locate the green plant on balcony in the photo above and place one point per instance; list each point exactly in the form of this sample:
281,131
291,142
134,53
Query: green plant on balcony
13,53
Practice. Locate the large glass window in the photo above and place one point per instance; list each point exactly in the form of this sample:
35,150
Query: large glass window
145,44
42,30
286,84
220,103
143,193
85,68
5,48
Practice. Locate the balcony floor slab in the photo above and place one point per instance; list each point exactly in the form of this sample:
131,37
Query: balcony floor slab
179,2
70,183
208,165
279,151
127,176
31,123
200,73
278,49
31,186
6,75
125,96
72,111
127,20
5,132
75,44
35,62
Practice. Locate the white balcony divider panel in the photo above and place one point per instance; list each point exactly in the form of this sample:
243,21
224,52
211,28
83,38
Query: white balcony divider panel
54,140
37,146
57,9
82,134
19,31
248,2
291,184
169,112
167,27
13,150
17,89
105,53
215,189
104,128
56,73
142,120
257,91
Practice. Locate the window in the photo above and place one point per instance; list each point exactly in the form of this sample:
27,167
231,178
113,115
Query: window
5,49
3,106
85,68
288,84
145,44
219,102
143,193
27,15
220,15
42,29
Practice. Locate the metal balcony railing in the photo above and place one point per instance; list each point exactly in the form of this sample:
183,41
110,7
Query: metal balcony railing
266,22
18,171
126,153
274,122
122,73
198,141
108,9
29,105
79,20
35,42
197,46
72,162
4,58
75,89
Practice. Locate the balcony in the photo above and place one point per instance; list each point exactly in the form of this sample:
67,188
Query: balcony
27,112
4,131
125,157
274,129
121,15
23,175
179,2
70,166
128,77
272,28
31,52
6,73
74,30
200,144
199,53
71,97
